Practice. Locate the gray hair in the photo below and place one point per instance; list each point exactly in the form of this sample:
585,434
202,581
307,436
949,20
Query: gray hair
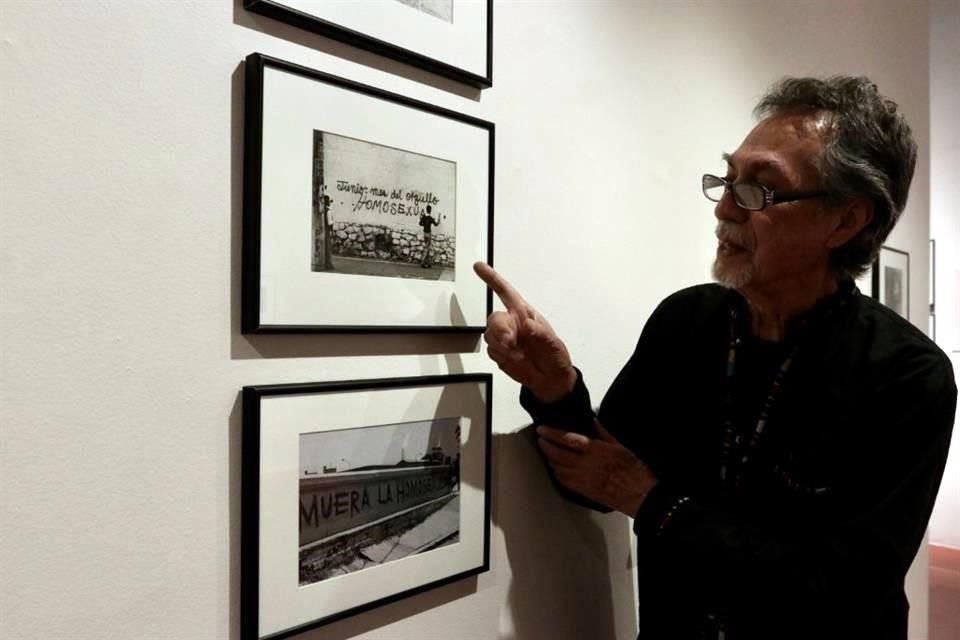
870,153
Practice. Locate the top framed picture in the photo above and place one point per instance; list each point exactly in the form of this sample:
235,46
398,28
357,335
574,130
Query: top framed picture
364,210
451,38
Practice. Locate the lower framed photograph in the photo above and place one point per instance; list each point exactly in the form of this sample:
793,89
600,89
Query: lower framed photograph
891,278
358,493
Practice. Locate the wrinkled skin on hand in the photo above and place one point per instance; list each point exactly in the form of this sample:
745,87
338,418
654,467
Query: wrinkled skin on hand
526,348
523,344
600,469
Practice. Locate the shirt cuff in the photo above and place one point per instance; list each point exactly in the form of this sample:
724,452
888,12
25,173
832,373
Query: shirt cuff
660,509
572,412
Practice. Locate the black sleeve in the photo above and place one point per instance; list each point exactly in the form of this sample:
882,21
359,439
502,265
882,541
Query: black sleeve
571,412
574,411
858,558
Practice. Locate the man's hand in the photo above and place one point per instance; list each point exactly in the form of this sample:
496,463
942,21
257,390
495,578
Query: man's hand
600,469
523,343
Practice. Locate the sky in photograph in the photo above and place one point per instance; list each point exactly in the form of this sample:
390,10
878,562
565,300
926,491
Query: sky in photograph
384,444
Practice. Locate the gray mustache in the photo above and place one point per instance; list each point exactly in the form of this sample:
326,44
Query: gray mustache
732,233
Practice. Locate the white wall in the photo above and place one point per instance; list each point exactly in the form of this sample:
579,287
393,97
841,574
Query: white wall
945,229
119,280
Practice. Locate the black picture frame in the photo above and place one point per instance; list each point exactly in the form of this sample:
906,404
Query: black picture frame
481,77
273,415
355,305
891,280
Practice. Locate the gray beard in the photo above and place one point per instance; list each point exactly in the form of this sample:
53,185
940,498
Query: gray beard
731,277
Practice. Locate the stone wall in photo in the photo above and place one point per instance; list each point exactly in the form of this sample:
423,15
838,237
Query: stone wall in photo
383,243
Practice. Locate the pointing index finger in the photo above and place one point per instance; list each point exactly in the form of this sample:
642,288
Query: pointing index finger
511,299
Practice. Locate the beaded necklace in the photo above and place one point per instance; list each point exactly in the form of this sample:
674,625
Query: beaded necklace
730,438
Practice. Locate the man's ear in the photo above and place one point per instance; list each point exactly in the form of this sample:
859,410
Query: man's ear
853,217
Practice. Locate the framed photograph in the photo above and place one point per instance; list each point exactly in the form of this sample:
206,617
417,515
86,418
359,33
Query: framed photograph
358,493
865,283
891,280
452,38
363,210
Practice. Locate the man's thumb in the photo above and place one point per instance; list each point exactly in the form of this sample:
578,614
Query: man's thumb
603,434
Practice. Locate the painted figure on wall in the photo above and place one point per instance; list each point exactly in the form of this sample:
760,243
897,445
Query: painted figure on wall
322,248
322,259
427,221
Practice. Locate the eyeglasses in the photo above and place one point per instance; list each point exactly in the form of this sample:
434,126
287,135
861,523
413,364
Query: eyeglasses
752,197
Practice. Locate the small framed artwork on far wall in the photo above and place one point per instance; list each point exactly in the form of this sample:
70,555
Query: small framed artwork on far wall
891,280
864,282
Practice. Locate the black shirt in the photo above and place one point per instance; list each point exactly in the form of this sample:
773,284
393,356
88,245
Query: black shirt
812,535
427,222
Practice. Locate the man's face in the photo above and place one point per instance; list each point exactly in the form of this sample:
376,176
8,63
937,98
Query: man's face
782,247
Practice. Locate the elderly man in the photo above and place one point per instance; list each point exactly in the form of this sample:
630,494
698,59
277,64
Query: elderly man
778,437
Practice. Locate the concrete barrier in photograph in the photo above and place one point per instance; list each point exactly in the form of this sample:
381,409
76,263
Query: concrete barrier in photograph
337,502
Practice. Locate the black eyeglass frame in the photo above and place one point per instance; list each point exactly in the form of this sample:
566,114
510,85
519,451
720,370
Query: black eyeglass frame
770,197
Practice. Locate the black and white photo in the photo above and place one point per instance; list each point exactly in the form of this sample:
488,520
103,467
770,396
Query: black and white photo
442,9
893,289
865,284
381,211
892,276
373,495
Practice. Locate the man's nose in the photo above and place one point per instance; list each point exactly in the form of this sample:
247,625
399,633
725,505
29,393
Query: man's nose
728,209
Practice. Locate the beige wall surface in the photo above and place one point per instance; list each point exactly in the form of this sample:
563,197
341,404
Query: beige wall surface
945,229
121,175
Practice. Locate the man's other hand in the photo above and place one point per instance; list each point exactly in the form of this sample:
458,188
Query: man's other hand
600,469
